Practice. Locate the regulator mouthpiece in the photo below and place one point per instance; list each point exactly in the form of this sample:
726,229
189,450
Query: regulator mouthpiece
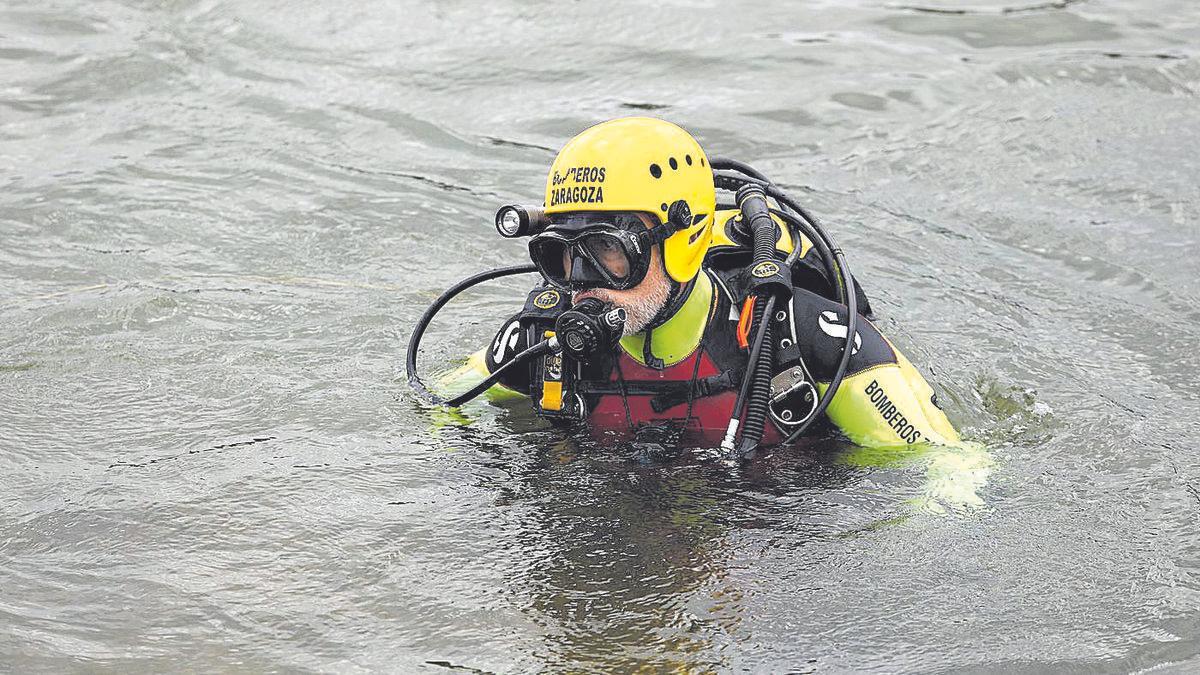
515,220
589,328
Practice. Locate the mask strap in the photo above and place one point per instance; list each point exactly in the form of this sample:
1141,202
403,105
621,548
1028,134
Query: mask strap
661,232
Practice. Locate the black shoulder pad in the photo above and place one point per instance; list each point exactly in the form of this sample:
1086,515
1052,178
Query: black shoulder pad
808,273
510,340
731,280
820,334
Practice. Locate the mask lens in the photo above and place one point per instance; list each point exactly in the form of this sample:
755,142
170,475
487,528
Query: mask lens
553,259
609,252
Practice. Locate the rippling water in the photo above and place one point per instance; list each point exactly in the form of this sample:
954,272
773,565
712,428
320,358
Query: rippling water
219,221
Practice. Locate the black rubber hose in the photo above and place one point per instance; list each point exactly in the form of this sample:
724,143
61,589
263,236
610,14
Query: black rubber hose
846,292
760,384
755,391
414,341
822,250
726,180
793,217
724,163
847,351
532,352
800,217
747,379
831,255
843,279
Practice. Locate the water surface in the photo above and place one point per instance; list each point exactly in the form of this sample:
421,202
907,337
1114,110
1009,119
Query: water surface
219,220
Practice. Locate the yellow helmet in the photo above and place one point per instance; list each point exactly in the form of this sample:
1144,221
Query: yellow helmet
639,164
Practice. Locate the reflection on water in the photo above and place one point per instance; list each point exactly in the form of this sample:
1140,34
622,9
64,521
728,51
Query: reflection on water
984,31
629,562
220,220
616,559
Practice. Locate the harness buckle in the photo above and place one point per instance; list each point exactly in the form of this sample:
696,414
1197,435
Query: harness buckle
793,398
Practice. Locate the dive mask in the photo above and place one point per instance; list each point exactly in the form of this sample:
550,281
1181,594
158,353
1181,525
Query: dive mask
595,250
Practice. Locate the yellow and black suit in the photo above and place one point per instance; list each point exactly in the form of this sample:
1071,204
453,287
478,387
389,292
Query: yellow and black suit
685,372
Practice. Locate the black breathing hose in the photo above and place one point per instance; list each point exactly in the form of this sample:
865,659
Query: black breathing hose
532,352
841,271
849,296
720,163
755,391
756,215
847,351
835,263
822,251
414,342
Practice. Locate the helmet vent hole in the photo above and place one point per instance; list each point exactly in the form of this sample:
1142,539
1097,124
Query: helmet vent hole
656,171
664,206
688,159
701,161
673,163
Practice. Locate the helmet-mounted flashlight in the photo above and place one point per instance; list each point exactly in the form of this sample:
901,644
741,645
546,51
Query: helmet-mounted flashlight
514,220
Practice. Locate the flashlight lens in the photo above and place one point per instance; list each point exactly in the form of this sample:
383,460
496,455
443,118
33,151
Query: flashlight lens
508,222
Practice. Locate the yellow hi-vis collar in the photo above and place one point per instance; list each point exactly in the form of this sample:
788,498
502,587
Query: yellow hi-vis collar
679,336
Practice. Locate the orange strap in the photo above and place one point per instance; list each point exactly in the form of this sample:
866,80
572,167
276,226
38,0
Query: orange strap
743,330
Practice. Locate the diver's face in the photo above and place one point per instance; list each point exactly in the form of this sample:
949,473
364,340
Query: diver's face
642,302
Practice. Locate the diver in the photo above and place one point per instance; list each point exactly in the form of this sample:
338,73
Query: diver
664,315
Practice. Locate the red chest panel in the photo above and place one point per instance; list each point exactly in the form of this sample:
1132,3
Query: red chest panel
710,414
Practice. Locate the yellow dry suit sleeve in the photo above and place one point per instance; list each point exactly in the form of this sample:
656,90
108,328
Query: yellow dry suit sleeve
889,404
467,375
509,341
887,408
883,400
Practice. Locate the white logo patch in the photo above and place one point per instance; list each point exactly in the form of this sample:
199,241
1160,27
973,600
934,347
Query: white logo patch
506,341
828,321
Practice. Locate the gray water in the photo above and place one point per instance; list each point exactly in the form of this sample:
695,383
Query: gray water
219,221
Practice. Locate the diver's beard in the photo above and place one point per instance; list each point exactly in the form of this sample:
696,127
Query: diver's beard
640,308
